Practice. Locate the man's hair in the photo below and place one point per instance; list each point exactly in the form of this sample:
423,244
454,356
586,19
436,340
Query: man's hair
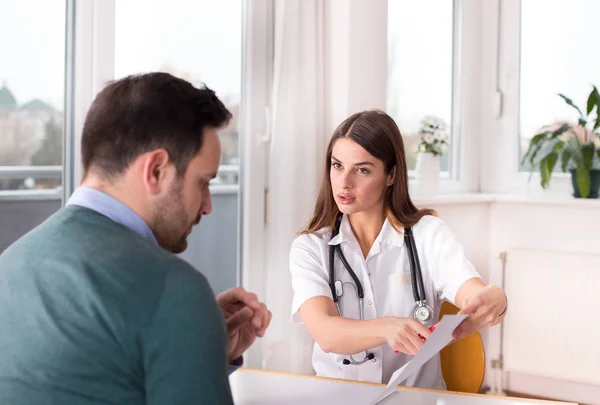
141,113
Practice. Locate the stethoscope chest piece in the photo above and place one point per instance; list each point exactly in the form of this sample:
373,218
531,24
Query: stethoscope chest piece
424,313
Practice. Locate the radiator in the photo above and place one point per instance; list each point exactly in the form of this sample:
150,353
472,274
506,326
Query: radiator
553,324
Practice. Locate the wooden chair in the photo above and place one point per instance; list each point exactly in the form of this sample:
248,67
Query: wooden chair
463,362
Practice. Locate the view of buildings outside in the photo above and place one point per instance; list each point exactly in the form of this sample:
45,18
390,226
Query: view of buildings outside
200,41
32,91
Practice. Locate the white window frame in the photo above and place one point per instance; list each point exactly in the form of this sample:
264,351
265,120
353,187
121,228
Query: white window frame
462,175
89,65
55,171
91,51
94,57
500,107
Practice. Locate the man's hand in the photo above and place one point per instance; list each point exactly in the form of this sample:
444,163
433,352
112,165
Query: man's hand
245,318
484,306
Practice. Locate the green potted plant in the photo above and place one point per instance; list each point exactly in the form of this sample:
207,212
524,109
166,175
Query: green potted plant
576,146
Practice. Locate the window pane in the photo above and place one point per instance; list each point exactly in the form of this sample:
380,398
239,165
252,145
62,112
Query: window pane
32,93
197,40
419,67
200,41
558,42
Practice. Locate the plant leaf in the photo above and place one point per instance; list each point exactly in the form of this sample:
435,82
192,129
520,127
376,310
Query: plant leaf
570,102
587,150
546,167
558,146
582,122
573,146
592,100
597,123
566,156
534,147
535,153
583,181
563,128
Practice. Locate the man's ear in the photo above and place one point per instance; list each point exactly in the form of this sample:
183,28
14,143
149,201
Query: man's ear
392,176
156,170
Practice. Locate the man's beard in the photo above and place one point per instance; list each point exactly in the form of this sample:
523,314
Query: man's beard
170,220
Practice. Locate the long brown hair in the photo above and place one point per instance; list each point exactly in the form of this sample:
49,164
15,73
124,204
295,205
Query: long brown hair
379,135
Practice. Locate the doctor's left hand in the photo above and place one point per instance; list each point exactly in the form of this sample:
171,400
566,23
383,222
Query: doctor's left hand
485,307
245,318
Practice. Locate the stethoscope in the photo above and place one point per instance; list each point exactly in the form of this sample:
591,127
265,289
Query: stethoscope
422,311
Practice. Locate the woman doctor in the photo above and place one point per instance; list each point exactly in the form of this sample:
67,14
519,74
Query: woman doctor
362,215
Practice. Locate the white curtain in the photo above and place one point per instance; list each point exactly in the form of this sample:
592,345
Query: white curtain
297,151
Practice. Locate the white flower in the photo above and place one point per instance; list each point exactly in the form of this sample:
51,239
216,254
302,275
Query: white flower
444,147
428,138
439,135
432,119
432,122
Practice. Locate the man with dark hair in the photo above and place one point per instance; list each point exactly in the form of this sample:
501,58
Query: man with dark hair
92,311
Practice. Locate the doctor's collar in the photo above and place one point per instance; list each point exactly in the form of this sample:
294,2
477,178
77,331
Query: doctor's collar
387,235
344,234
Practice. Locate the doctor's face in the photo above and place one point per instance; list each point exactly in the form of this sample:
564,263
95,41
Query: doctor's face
358,179
188,198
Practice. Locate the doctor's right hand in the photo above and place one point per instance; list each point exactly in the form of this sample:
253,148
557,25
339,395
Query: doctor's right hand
402,334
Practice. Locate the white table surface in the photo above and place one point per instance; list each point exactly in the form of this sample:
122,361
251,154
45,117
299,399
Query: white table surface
253,387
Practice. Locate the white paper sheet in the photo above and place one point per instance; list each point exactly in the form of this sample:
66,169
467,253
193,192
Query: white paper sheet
441,336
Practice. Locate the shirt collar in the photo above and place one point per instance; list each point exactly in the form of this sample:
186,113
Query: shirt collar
345,234
390,236
112,208
387,235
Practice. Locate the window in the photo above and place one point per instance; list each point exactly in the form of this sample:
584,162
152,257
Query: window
557,56
197,40
420,67
200,41
32,87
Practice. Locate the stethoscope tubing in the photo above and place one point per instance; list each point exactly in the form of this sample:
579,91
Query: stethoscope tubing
416,280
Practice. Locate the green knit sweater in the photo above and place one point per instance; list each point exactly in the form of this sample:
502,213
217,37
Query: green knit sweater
91,313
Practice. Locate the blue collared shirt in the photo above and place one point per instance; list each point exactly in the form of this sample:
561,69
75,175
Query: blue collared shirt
112,208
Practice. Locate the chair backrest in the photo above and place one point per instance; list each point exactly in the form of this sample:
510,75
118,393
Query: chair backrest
463,362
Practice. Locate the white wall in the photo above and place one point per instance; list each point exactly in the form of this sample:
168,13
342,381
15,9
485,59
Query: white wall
550,225
488,225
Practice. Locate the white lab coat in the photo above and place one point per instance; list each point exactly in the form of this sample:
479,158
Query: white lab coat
386,279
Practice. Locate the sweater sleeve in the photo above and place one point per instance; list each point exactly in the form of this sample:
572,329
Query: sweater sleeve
184,346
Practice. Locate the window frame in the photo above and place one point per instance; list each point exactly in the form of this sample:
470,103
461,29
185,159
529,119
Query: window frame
463,173
94,66
55,171
501,108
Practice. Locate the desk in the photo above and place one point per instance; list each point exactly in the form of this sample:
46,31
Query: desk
258,387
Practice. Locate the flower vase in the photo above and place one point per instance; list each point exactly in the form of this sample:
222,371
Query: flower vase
427,174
